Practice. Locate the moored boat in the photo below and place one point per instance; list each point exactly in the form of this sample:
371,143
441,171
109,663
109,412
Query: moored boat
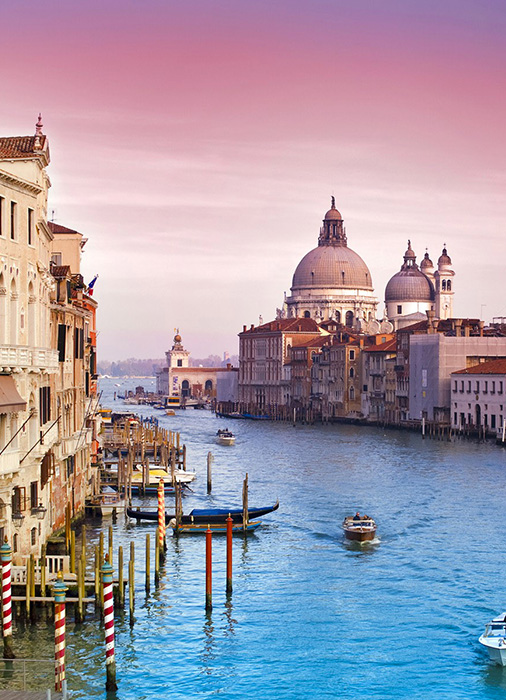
216,528
225,437
106,502
359,528
205,515
494,639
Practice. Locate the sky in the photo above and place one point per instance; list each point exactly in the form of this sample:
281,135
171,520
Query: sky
196,144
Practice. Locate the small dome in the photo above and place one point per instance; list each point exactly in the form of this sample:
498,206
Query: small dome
409,285
444,258
177,338
332,267
426,262
410,253
333,214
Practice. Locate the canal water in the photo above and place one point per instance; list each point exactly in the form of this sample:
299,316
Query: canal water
312,616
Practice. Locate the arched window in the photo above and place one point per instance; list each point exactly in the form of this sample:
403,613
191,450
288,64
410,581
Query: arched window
338,316
3,310
352,393
449,286
13,313
349,319
307,314
32,334
208,386
185,387
352,372
443,285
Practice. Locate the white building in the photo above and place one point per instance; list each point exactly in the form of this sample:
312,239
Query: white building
414,290
332,282
478,396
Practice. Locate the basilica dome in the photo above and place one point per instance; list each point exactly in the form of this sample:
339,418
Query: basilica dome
332,267
409,284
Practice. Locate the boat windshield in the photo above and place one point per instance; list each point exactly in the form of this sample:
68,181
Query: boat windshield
495,630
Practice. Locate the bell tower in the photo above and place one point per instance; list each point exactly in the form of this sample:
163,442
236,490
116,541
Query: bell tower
444,286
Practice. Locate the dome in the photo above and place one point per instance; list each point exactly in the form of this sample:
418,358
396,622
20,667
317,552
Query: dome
332,267
333,214
426,262
444,258
409,285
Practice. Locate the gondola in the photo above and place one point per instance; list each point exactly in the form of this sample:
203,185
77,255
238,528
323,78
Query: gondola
216,528
204,515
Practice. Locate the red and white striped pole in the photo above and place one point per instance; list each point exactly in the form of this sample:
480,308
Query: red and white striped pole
59,590
110,663
161,518
6,556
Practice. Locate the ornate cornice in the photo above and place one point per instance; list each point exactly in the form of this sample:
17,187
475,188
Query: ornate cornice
19,183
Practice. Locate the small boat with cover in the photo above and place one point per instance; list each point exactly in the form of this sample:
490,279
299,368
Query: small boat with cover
216,528
225,437
494,639
359,528
205,515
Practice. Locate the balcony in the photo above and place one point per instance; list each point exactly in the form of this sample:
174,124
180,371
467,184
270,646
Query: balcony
19,357
9,462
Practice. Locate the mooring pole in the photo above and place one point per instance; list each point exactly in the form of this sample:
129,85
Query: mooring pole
59,590
209,567
110,663
161,518
6,556
229,555
209,472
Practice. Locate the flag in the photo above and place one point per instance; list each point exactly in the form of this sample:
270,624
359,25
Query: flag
89,291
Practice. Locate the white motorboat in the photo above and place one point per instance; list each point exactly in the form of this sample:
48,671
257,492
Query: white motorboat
494,639
225,437
180,475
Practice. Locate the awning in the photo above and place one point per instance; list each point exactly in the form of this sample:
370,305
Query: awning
10,400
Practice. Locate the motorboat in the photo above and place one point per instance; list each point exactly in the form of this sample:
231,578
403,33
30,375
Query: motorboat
106,502
494,639
225,437
180,475
359,528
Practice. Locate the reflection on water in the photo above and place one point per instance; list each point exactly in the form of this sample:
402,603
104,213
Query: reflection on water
207,655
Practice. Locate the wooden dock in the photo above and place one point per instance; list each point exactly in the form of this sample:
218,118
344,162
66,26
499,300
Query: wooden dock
29,695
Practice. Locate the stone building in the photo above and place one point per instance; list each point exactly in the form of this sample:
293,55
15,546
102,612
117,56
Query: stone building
478,396
32,418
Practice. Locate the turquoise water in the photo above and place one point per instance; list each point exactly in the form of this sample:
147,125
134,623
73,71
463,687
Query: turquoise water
312,616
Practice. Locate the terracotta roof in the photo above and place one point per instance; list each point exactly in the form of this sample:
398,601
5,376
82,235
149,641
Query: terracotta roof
443,325
317,342
389,346
20,146
490,367
60,270
287,325
58,228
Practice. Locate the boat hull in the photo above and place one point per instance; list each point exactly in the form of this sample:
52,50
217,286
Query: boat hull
358,536
226,441
496,652
216,528
203,515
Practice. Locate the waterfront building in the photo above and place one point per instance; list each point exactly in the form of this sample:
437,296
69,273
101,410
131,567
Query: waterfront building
414,290
302,356
35,385
177,378
264,354
478,396
73,318
432,359
378,381
332,282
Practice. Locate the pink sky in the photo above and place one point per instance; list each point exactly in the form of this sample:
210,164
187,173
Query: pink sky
196,145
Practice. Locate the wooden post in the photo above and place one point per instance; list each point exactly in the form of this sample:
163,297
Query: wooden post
43,571
73,551
157,558
148,563
121,584
229,556
67,528
79,608
131,595
101,548
32,575
110,663
184,457
209,472
28,587
83,546
97,576
179,506
423,427
209,573
161,518
245,503
110,545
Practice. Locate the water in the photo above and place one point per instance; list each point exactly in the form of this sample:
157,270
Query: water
312,616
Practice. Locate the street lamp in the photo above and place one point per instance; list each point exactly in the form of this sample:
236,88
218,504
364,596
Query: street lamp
39,511
17,519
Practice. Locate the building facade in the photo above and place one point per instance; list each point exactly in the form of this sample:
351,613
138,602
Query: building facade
478,396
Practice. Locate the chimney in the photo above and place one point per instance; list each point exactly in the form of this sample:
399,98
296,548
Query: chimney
244,329
252,327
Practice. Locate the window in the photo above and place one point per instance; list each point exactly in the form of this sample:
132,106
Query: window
33,535
79,343
34,494
13,220
44,404
352,393
492,390
443,285
307,314
352,354
485,388
56,259
492,421
18,499
399,309
352,372
70,466
469,387
477,389
449,286
500,388
2,209
30,227
62,337
15,540
180,363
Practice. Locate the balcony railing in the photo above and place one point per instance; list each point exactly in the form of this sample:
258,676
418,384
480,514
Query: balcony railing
23,357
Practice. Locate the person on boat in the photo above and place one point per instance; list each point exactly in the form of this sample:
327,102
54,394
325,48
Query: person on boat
357,516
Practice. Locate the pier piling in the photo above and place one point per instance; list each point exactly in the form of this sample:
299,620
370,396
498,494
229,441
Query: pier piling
229,556
59,590
110,663
209,472
209,573
6,557
148,563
